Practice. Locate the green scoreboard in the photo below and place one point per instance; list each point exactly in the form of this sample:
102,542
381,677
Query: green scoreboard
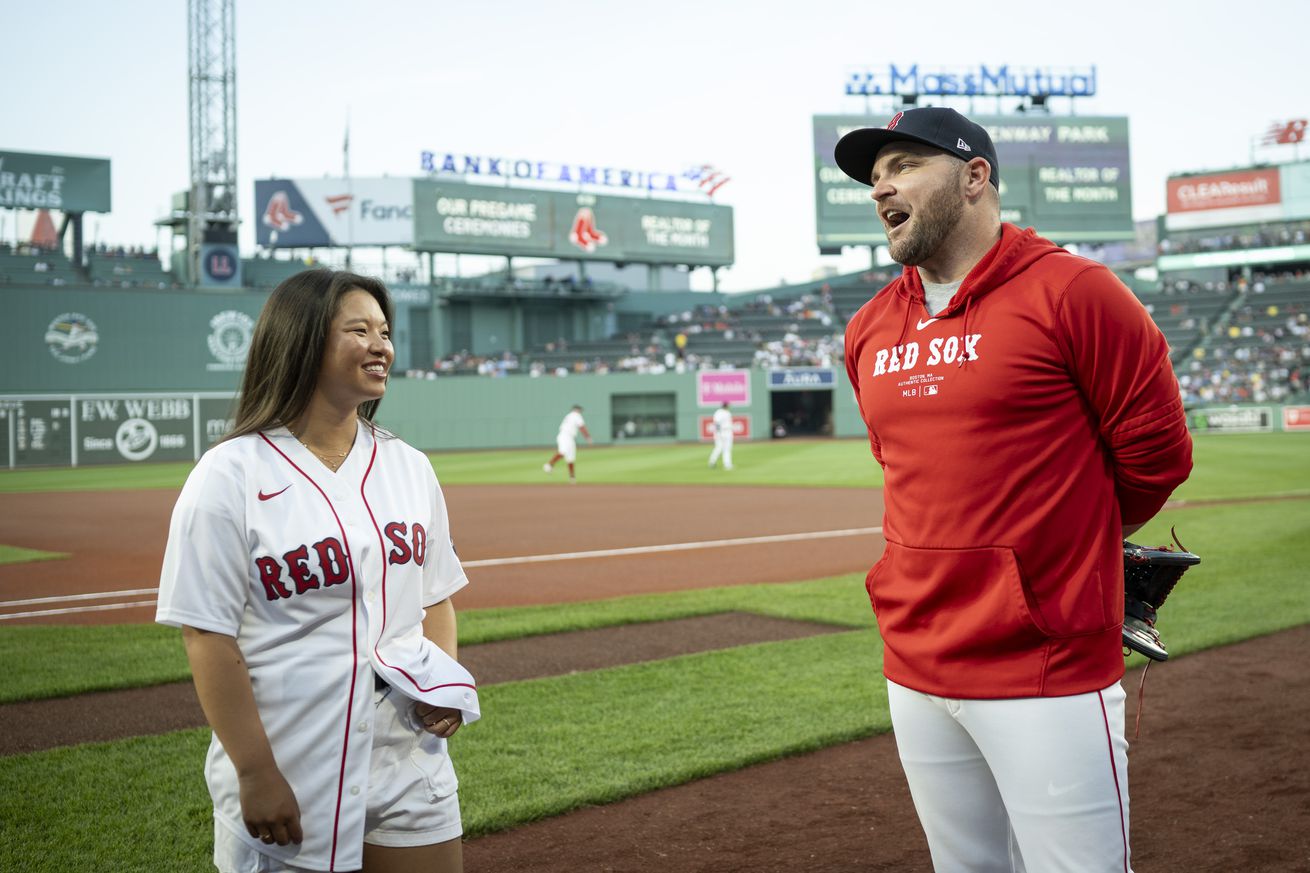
1066,176
491,220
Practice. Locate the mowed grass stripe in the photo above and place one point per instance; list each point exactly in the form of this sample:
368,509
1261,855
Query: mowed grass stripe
20,555
45,661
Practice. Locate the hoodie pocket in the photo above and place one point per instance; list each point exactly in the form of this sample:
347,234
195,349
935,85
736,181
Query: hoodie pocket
952,605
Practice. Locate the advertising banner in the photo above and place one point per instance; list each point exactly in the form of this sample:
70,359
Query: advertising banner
37,431
1296,418
715,387
1232,419
487,220
215,414
69,184
114,429
77,430
741,427
312,213
802,378
1224,199
1068,177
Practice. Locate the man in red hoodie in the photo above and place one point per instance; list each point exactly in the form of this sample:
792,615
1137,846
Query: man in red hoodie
1024,411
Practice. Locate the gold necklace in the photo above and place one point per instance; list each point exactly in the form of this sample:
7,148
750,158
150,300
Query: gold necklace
333,460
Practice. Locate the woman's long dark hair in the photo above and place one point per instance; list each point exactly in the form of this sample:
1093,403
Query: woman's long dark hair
286,351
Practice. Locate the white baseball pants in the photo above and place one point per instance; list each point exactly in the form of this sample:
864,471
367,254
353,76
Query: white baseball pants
1026,785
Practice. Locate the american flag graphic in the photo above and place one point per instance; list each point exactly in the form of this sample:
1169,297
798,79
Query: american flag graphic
707,178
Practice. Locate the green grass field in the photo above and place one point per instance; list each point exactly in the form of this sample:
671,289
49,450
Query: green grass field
549,745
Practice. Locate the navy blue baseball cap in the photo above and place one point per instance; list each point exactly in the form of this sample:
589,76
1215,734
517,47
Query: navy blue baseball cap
937,126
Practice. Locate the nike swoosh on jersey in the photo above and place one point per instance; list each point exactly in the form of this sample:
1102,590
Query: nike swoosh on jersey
263,496
1054,791
923,324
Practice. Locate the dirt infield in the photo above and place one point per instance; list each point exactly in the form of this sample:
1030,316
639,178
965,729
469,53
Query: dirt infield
117,541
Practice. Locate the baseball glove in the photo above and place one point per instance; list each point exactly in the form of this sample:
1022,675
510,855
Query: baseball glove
1149,576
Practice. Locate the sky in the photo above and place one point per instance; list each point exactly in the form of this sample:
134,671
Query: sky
658,86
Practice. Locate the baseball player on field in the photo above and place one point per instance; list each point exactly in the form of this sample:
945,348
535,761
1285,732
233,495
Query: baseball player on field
566,441
722,437
310,567
1024,411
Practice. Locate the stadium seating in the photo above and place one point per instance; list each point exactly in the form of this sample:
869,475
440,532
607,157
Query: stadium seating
1258,352
31,267
128,272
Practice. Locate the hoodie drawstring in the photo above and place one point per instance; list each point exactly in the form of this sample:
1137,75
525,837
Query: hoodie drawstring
964,333
905,325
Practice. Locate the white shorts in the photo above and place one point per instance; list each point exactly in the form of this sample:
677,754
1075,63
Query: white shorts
413,795
568,447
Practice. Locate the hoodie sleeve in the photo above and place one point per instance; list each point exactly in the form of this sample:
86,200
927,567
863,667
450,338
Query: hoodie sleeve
1120,360
851,356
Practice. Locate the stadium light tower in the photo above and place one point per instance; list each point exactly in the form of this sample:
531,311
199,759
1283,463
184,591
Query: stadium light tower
212,217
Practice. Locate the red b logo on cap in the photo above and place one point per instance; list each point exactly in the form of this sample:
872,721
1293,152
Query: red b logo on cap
896,119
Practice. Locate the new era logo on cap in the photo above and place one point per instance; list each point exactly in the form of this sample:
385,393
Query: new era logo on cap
961,144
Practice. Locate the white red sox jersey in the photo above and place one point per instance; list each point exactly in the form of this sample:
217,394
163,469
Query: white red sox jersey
322,578
722,424
571,424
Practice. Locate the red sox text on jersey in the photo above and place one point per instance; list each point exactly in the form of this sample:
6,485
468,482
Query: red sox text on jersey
408,542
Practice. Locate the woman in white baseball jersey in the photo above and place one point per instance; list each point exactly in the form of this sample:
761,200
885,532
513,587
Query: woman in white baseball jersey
310,567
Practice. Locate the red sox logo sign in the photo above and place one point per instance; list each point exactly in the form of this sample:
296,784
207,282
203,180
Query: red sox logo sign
896,119
279,215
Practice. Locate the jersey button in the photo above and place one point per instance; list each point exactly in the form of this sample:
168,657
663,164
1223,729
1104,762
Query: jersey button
354,789
363,727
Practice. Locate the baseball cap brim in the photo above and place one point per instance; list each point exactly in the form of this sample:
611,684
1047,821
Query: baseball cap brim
857,151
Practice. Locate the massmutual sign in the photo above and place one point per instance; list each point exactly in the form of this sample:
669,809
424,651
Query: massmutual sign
979,81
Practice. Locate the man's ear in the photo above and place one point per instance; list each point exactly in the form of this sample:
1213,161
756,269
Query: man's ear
978,176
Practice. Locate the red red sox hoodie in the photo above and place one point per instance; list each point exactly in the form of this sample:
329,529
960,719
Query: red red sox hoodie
1017,431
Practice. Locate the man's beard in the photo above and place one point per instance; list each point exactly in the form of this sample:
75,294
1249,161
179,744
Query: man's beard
933,222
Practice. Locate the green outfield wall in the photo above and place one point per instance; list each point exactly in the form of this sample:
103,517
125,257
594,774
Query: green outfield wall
466,412
473,412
